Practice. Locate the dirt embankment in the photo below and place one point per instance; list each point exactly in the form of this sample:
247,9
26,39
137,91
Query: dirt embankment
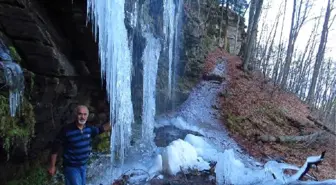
269,122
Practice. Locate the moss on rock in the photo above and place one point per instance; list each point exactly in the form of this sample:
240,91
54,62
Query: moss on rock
102,142
18,128
14,54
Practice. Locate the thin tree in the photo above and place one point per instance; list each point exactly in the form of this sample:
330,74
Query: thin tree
270,48
320,52
277,65
255,11
299,16
306,55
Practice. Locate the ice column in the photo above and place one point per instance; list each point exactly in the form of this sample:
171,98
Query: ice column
172,22
150,66
169,32
107,17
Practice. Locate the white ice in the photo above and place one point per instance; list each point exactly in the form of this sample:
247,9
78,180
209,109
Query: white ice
150,66
14,79
115,58
169,32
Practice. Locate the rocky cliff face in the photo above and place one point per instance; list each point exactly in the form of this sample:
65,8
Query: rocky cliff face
59,55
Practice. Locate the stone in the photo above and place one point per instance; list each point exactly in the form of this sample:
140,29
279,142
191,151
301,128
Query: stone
23,30
44,59
17,3
14,13
82,68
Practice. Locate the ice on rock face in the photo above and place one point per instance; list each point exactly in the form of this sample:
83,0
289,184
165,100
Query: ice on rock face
13,79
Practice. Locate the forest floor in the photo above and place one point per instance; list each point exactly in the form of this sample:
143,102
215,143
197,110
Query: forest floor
254,108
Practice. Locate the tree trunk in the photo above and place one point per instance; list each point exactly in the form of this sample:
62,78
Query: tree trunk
277,65
296,24
226,43
320,54
236,35
256,10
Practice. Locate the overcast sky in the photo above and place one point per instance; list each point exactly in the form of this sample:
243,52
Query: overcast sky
306,29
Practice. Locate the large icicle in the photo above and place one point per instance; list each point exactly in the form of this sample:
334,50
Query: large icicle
169,32
177,39
172,22
108,17
150,66
15,80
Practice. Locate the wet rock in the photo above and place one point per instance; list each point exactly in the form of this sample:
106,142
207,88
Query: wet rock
167,134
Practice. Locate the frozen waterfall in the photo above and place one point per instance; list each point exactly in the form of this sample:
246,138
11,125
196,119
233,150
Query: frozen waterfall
13,79
108,17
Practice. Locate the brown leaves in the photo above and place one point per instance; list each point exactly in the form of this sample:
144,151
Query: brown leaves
252,106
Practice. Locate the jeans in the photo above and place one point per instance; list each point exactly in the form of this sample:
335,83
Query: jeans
75,175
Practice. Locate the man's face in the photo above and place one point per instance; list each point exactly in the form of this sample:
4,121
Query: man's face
82,115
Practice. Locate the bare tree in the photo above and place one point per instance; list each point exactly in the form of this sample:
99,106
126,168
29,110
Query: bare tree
306,56
270,49
277,65
262,36
320,52
255,11
299,16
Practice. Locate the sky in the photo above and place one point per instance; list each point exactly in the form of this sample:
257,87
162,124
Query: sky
274,7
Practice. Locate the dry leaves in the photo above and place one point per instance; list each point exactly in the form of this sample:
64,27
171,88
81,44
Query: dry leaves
252,105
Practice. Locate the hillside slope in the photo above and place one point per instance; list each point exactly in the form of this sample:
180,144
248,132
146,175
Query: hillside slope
266,120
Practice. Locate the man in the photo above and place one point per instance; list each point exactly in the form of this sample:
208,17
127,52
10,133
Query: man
76,141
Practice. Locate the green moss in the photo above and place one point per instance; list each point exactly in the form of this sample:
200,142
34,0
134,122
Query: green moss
102,143
14,54
18,128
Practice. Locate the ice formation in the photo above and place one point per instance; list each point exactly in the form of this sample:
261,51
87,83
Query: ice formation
115,58
150,66
13,79
172,22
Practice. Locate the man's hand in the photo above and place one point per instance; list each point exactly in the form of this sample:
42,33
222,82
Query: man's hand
107,127
52,170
